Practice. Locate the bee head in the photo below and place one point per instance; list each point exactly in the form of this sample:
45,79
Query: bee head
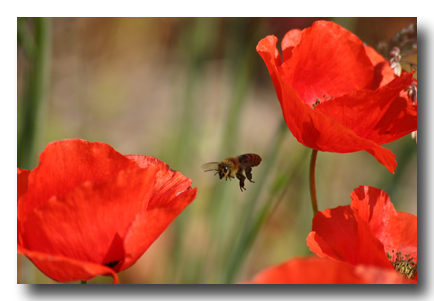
223,171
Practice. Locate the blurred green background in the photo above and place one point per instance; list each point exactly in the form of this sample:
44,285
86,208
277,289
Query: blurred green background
190,91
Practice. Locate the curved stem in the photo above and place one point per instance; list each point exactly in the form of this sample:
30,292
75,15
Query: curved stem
312,181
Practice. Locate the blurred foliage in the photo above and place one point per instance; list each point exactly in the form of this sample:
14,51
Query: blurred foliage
190,91
34,37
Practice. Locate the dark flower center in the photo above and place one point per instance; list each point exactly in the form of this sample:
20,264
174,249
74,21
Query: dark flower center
111,264
406,267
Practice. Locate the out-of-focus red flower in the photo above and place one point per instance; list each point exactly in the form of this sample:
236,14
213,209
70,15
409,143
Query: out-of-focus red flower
87,210
314,270
338,95
363,233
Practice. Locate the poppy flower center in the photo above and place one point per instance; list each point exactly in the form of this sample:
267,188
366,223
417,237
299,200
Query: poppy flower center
111,264
406,267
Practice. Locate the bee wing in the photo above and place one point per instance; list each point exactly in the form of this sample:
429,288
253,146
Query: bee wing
210,166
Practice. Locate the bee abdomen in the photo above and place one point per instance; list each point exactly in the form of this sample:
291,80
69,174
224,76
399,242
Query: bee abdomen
251,159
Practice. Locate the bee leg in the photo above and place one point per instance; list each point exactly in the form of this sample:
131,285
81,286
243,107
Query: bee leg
249,174
241,177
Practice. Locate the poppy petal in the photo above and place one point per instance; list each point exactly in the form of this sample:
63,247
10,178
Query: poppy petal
358,101
64,269
373,206
63,165
309,270
150,225
383,74
362,111
329,60
320,247
314,270
168,185
171,194
344,238
22,181
93,220
377,275
408,243
22,184
374,56
399,120
66,225
312,128
369,250
337,230
291,39
363,233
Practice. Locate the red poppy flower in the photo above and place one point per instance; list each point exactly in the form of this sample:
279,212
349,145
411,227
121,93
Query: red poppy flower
365,232
338,95
88,210
314,270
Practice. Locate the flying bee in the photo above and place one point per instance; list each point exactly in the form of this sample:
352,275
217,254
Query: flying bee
234,166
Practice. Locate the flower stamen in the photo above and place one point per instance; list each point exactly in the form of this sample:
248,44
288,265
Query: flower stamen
318,101
406,267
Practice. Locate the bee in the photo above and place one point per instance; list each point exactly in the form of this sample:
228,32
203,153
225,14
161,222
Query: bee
234,166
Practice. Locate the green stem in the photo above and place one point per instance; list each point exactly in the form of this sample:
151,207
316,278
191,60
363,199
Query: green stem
83,281
312,182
